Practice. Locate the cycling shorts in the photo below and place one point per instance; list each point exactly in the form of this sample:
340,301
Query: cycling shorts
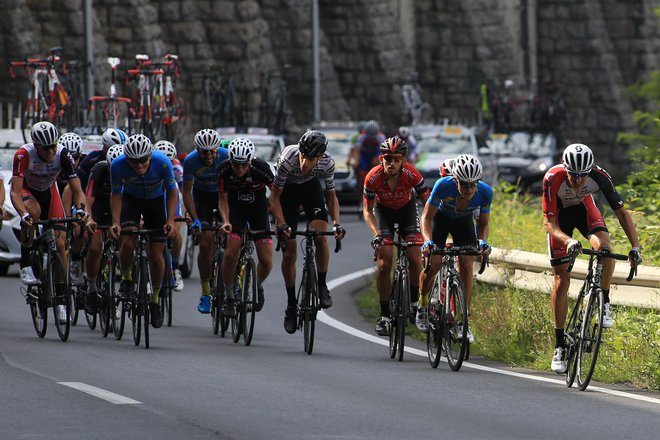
587,220
254,214
101,212
405,216
205,203
308,194
151,210
49,201
462,230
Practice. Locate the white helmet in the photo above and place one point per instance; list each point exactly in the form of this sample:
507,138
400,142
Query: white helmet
467,168
166,147
241,150
114,152
403,132
44,134
113,136
578,158
207,139
71,142
137,146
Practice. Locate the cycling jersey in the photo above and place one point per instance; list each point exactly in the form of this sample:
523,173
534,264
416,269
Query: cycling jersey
288,169
177,168
39,174
158,178
99,187
445,192
204,178
557,194
243,189
369,147
376,186
84,170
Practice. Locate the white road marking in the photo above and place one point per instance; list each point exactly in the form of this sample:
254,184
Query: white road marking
109,396
326,319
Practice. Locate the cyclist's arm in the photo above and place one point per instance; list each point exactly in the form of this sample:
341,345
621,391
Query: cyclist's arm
115,208
276,206
223,206
626,221
77,192
426,222
15,195
552,228
483,231
333,205
172,203
188,200
369,217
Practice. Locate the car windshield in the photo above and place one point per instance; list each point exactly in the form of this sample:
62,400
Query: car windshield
7,158
450,146
523,144
267,151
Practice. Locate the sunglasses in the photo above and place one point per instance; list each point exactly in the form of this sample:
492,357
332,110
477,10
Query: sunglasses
139,161
47,147
207,152
240,164
578,174
392,158
468,185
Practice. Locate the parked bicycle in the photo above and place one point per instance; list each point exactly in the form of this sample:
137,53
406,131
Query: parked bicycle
108,111
143,111
166,106
584,328
448,312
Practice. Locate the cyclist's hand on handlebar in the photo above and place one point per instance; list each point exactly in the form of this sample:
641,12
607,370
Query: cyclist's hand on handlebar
283,231
428,247
26,219
484,247
635,256
189,220
169,229
573,246
196,224
377,241
79,212
115,231
339,231
91,226
226,228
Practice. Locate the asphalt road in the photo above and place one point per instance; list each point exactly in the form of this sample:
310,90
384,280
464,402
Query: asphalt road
192,384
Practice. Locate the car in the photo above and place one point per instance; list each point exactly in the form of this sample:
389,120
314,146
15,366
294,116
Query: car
340,136
10,247
267,146
523,157
436,143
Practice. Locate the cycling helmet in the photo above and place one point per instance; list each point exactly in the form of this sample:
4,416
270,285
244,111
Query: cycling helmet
394,145
166,147
113,136
403,132
207,139
578,158
241,150
467,168
114,152
371,128
71,142
313,144
44,134
445,168
137,146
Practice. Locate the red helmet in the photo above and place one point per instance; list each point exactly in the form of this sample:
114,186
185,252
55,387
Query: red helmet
394,145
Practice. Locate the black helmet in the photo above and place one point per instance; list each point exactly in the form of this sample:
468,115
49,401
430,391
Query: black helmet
313,144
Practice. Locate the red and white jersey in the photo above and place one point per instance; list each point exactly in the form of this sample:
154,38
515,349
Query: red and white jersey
376,186
558,194
39,174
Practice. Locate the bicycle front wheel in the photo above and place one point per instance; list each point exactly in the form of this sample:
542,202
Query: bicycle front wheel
402,315
56,266
571,338
589,342
249,302
455,323
308,310
434,335
38,311
394,305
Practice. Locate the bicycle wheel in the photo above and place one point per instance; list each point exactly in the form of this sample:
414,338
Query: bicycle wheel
237,315
165,293
91,320
311,305
589,342
137,307
402,316
55,265
434,335
144,300
249,303
109,294
455,323
38,311
394,305
104,312
571,337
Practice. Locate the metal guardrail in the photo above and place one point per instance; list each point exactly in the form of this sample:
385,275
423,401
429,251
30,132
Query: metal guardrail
528,270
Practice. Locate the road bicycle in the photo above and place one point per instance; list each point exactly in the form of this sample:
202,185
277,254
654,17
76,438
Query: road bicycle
400,306
584,328
448,310
143,112
107,111
166,106
48,266
308,292
47,99
167,286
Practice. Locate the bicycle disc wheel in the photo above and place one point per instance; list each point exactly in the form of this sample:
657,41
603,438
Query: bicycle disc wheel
38,312
434,335
57,266
455,323
589,342
249,304
402,316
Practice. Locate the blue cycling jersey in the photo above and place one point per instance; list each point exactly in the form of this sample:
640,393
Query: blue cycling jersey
158,178
204,178
444,194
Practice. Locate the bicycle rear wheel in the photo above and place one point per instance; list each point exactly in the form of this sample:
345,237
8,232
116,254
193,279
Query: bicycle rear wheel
249,302
137,307
165,300
589,342
455,323
434,335
310,304
238,316
38,311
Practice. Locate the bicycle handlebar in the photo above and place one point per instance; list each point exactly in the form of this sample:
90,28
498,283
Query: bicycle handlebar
55,221
138,72
309,233
404,244
457,251
609,254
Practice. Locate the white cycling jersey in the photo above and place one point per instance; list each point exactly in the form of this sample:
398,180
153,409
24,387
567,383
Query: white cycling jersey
288,169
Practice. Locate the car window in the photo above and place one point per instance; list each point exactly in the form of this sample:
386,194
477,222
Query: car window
445,145
524,144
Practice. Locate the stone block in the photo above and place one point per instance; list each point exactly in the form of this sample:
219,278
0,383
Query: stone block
222,11
186,51
170,11
247,10
68,5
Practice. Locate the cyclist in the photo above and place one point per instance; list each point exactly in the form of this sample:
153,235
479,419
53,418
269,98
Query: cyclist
445,167
98,200
242,182
406,135
568,204
200,196
34,194
169,150
449,210
296,183
364,154
388,199
112,136
142,185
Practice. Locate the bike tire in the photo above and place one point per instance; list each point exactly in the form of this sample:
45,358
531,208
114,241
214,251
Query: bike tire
394,304
136,308
122,308
38,312
455,320
434,335
310,303
56,264
402,316
249,304
144,301
592,332
106,282
571,338
237,316
110,293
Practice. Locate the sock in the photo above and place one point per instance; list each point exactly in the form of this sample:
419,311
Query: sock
423,301
154,297
91,285
291,296
76,256
206,287
25,257
175,262
559,337
414,293
606,296
385,308
322,277
127,276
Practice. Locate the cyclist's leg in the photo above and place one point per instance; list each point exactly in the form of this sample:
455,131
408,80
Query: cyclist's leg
258,218
205,202
599,238
229,261
313,201
33,206
464,234
290,200
409,224
385,219
56,210
129,221
154,216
